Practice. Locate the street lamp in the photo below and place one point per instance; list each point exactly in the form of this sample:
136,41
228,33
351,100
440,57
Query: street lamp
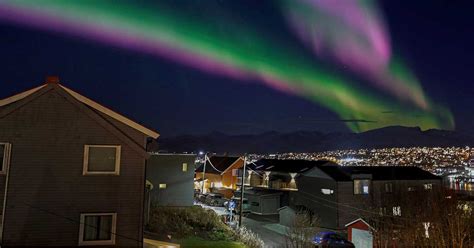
242,187
203,172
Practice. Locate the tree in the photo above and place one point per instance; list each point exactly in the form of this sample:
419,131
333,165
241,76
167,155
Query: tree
436,218
302,230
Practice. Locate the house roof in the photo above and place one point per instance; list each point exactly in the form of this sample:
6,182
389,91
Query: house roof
381,173
285,165
88,107
111,113
359,220
343,173
90,103
218,164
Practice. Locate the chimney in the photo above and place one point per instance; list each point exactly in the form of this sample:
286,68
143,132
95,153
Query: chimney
52,80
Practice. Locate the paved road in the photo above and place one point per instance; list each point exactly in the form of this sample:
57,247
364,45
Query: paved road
256,224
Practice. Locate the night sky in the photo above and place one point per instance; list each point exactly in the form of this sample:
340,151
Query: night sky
435,39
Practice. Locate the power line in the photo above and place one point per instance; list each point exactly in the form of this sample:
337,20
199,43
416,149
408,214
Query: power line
355,214
353,207
207,159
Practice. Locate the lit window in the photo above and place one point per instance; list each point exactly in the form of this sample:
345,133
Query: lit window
428,186
382,211
388,188
101,160
4,157
397,211
427,226
361,186
412,189
185,167
162,186
327,191
97,229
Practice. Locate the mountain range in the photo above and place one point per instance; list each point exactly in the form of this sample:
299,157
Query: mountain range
313,141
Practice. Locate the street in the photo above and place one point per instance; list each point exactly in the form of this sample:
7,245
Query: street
262,226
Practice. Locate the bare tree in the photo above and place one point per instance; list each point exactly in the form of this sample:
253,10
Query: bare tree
303,228
437,218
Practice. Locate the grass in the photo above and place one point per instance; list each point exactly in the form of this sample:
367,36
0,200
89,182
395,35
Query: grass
195,242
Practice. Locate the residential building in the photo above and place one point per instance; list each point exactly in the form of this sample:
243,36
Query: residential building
220,175
340,194
172,179
263,202
267,179
73,171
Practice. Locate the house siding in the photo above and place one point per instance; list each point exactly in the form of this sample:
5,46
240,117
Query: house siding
310,196
228,180
179,184
47,191
357,206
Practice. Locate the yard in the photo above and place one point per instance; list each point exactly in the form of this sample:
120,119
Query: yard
196,227
196,242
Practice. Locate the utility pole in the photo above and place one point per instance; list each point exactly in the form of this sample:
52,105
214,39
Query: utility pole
204,173
242,187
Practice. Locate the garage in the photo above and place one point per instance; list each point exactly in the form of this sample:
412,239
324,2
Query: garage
263,203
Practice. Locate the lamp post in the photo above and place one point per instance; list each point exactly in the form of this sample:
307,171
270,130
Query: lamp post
204,173
242,187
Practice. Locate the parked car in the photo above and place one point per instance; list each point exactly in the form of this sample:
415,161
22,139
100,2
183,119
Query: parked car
202,198
331,239
215,199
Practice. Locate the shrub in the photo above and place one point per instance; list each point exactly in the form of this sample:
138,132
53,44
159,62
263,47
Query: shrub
182,222
249,238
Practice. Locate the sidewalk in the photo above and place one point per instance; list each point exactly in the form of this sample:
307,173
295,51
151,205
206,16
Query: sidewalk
267,230
150,243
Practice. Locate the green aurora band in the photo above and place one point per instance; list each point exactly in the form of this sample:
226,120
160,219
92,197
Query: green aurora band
238,51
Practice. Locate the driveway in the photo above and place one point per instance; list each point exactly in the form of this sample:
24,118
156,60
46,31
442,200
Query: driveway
260,225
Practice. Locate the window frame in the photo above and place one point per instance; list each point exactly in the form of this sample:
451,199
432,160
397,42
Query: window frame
118,152
362,189
428,186
83,242
328,191
397,211
6,157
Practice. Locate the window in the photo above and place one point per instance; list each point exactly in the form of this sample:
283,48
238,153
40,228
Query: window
397,211
412,189
382,211
162,186
101,160
5,149
97,229
388,188
235,172
327,191
361,186
428,186
185,167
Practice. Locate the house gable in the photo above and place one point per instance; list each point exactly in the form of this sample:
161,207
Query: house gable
127,130
48,135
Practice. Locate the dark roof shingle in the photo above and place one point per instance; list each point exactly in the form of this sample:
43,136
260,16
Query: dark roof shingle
285,165
380,173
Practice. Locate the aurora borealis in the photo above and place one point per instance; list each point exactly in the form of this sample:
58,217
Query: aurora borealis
247,52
